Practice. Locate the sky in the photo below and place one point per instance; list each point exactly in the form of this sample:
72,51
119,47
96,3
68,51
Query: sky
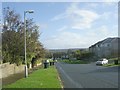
71,24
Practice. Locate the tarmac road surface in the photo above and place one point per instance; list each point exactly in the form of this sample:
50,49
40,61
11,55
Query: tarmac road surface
87,75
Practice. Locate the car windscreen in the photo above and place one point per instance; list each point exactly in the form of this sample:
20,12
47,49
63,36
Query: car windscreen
101,60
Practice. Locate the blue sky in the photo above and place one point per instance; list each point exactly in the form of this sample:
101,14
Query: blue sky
69,24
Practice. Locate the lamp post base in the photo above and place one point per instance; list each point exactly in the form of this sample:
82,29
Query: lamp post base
26,71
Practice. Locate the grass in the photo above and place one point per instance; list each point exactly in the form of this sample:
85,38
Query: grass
42,78
110,65
73,61
113,58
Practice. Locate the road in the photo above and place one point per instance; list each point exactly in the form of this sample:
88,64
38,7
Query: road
87,76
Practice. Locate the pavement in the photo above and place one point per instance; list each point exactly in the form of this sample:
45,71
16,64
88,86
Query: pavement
87,75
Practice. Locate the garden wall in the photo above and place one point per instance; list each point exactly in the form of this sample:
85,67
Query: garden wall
7,69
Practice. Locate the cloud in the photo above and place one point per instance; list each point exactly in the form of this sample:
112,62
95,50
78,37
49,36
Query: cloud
43,26
109,0
102,32
110,4
109,16
84,19
79,18
93,5
65,40
60,1
71,40
62,28
58,17
106,15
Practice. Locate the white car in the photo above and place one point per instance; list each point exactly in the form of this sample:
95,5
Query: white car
102,61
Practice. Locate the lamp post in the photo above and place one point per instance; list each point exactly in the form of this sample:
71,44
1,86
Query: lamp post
28,11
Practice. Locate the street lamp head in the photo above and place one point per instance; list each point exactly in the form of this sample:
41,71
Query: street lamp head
29,11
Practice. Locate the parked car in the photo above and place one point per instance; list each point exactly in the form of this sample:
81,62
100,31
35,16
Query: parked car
102,61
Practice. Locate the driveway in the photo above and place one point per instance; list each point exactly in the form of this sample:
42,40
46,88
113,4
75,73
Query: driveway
87,76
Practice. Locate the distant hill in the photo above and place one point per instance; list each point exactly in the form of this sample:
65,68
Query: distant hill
66,50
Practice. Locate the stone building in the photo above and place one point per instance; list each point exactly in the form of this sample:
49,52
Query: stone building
106,48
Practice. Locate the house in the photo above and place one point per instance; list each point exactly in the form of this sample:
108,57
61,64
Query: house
106,48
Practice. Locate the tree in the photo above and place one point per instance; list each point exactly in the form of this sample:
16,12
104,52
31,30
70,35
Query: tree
86,54
12,49
48,54
81,55
13,38
78,54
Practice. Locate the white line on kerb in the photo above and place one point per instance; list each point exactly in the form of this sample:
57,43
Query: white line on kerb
69,78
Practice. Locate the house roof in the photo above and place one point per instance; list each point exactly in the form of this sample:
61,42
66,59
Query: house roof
107,40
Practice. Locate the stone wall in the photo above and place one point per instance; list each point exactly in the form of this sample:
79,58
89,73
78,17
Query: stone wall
7,69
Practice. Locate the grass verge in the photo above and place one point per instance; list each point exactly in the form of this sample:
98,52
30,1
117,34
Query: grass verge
74,61
42,78
113,62
110,65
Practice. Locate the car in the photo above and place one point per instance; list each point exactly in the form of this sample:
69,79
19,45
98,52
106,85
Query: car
102,61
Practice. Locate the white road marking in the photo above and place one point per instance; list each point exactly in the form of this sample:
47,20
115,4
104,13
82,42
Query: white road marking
69,78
